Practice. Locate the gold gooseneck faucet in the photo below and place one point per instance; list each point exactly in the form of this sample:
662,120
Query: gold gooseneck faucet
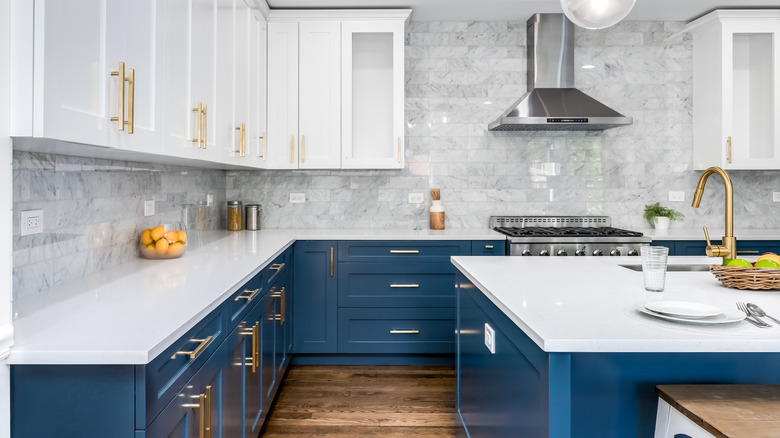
728,249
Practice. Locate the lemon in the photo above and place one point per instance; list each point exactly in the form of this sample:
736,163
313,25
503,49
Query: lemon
161,246
175,248
171,236
766,263
182,236
157,232
146,236
736,262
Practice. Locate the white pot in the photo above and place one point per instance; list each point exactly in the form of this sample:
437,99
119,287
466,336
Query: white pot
661,223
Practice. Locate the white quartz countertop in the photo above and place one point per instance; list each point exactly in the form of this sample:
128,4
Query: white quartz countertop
587,304
715,233
131,313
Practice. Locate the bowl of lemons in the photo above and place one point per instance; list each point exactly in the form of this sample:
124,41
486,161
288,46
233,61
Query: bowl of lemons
167,241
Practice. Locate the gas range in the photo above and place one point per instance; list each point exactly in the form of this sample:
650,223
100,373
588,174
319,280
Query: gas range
567,236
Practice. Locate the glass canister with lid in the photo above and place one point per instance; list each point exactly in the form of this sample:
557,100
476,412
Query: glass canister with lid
234,216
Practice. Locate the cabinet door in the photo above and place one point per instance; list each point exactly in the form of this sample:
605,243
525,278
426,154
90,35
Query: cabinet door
242,404
198,407
282,95
256,124
319,102
268,349
372,90
222,113
315,299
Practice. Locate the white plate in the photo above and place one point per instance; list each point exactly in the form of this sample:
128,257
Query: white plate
722,318
683,309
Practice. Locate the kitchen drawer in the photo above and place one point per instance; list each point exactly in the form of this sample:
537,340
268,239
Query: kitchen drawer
400,331
401,250
402,284
242,300
488,247
280,264
162,378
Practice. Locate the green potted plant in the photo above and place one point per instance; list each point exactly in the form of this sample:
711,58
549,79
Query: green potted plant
659,216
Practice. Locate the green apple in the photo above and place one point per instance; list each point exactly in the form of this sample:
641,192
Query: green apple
736,262
766,263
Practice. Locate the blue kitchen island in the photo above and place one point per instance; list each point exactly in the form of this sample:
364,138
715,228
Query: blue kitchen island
551,347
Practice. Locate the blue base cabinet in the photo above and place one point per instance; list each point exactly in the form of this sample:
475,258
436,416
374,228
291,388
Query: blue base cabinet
314,301
521,390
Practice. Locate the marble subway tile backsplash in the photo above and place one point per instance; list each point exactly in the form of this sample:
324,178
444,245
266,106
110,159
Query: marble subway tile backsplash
93,211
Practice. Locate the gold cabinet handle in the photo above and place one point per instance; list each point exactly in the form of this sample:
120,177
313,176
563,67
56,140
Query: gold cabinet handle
262,156
242,139
729,141
331,262
404,251
399,148
131,101
120,118
208,411
409,285
255,346
277,266
249,297
193,354
404,332
488,246
205,124
199,111
747,252
204,408
303,149
292,148
282,305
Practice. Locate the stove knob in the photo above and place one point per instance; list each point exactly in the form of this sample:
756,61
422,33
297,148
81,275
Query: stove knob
598,252
614,252
633,252
579,252
526,252
544,252
562,252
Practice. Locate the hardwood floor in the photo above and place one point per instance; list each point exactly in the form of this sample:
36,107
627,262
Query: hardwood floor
360,401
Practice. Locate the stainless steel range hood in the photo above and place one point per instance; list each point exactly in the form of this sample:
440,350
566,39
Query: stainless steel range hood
553,103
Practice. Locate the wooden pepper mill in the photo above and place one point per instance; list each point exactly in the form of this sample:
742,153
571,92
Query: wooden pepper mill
437,210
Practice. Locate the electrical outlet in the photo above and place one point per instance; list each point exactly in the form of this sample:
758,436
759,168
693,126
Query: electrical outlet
149,208
416,198
775,196
676,196
32,222
209,199
297,198
490,338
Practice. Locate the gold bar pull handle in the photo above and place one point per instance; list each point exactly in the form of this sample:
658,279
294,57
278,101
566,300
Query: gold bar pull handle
255,346
131,101
120,118
404,251
331,262
207,411
241,139
408,285
303,148
262,156
404,332
277,266
747,252
203,343
205,124
199,110
249,297
282,306
488,246
292,149
399,148
729,141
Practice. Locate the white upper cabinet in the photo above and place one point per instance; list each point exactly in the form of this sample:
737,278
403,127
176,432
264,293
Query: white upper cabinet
74,81
336,89
736,89
372,77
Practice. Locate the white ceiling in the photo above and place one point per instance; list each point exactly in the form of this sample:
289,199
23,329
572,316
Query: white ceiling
520,10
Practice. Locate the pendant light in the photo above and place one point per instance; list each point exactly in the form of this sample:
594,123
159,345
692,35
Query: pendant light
596,14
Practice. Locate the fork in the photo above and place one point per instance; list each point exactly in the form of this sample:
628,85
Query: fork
750,317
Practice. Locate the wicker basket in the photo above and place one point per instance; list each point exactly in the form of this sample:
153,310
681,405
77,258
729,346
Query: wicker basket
747,278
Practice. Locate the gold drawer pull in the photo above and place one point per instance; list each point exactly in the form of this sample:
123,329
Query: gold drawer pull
277,266
197,351
249,297
411,285
255,346
404,251
747,252
404,332
488,246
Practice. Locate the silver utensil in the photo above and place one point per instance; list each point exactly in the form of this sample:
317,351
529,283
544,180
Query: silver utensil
749,316
759,312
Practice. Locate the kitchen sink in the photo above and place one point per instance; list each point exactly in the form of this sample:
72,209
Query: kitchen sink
672,268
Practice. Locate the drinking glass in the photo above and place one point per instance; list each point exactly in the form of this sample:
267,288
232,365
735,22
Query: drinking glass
654,267
418,210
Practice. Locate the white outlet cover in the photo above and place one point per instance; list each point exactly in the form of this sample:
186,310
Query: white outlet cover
297,198
31,222
149,208
775,196
416,198
676,196
490,338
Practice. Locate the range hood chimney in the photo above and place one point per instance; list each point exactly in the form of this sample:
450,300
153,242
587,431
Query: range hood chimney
552,103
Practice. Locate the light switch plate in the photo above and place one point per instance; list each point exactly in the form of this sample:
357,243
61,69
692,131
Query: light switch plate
149,208
490,338
775,196
297,198
676,196
32,222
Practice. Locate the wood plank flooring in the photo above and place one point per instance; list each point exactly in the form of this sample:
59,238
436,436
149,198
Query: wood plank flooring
361,401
